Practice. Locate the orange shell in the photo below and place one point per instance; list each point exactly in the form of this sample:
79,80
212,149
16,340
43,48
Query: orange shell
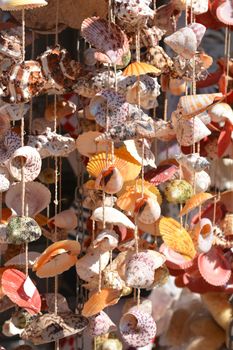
140,68
176,237
195,104
195,201
6,214
100,300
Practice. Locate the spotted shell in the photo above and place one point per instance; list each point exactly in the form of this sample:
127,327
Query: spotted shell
137,328
22,229
227,224
8,145
178,191
100,324
158,58
189,132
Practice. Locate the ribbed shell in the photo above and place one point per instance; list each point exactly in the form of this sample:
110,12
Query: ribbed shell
194,104
140,68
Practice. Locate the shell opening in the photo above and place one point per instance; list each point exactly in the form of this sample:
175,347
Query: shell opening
128,323
19,161
205,230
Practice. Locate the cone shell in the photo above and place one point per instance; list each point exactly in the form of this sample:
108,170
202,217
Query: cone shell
137,328
189,132
204,234
87,146
147,210
195,201
100,300
12,5
101,324
66,219
178,191
183,42
194,104
37,198
25,160
227,225
13,284
214,267
176,237
112,216
57,258
106,240
22,229
110,180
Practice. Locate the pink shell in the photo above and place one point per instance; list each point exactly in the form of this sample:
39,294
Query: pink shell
37,198
137,328
214,267
66,219
162,174
183,42
27,158
199,31
224,13
174,260
111,41
114,103
109,180
101,324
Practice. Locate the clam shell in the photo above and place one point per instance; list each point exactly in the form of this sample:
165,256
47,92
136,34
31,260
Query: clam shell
223,13
135,148
162,174
63,108
14,286
137,328
110,180
22,229
37,198
13,5
183,42
106,240
112,216
189,132
87,146
178,191
100,324
27,160
48,328
66,219
147,210
4,179
19,260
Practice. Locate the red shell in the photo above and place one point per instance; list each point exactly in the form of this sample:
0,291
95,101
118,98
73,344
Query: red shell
214,267
12,285
162,174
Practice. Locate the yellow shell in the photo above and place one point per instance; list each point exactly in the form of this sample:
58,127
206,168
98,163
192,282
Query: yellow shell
178,191
140,68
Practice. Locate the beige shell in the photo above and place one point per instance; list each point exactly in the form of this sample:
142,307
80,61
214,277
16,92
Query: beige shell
66,219
37,198
4,124
183,42
198,6
20,259
135,148
112,216
145,306
12,5
4,179
25,161
205,235
189,132
100,324
220,112
109,180
89,56
87,146
227,225
106,240
147,210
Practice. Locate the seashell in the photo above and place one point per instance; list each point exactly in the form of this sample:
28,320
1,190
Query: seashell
100,324
66,219
123,161
145,305
190,131
140,68
22,229
57,258
164,131
63,109
198,6
214,267
49,300
226,199
157,57
112,216
49,327
14,112
106,240
147,210
11,44
224,11
162,174
19,260
107,38
8,145
112,279
13,5
195,201
135,148
4,179
89,57
87,146
4,124
47,176
150,36
176,237
109,107
137,328
177,86
140,269
220,113
37,198
183,42
227,225
204,234
27,161
90,264
9,329
109,180
51,144
193,162
99,300
199,30
21,290
178,191
111,344
20,319
200,180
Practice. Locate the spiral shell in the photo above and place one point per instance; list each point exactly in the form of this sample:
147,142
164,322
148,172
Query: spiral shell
100,324
22,229
137,328
178,191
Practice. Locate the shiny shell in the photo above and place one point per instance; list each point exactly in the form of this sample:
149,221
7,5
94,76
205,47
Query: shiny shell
178,191
22,229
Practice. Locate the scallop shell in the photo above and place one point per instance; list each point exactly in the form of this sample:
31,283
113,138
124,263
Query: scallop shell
13,5
195,201
57,258
193,161
111,104
176,237
147,210
162,174
8,145
190,131
50,327
66,219
140,68
100,324
22,229
27,161
224,11
227,225
112,216
178,191
108,39
21,290
204,234
90,264
99,300
4,124
183,42
20,259
4,179
220,112
106,240
63,108
137,328
135,148
37,198
87,146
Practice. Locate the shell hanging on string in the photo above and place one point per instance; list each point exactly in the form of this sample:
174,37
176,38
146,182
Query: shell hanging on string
109,180
195,201
87,145
178,191
66,219
193,162
100,324
156,56
106,240
8,145
13,5
190,131
204,235
112,216
22,229
147,210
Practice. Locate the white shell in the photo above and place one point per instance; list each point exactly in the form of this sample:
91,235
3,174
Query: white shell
220,112
106,240
201,180
193,161
205,243
135,148
183,42
4,179
112,216
190,131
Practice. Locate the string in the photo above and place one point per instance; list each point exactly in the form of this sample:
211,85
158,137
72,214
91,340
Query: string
31,102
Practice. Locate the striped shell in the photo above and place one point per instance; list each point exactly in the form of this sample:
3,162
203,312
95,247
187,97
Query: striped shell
135,148
193,162
22,229
100,324
137,328
224,12
26,162
12,5
183,42
178,191
190,131
195,201
140,68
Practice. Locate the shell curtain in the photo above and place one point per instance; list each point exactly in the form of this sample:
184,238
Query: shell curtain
152,233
